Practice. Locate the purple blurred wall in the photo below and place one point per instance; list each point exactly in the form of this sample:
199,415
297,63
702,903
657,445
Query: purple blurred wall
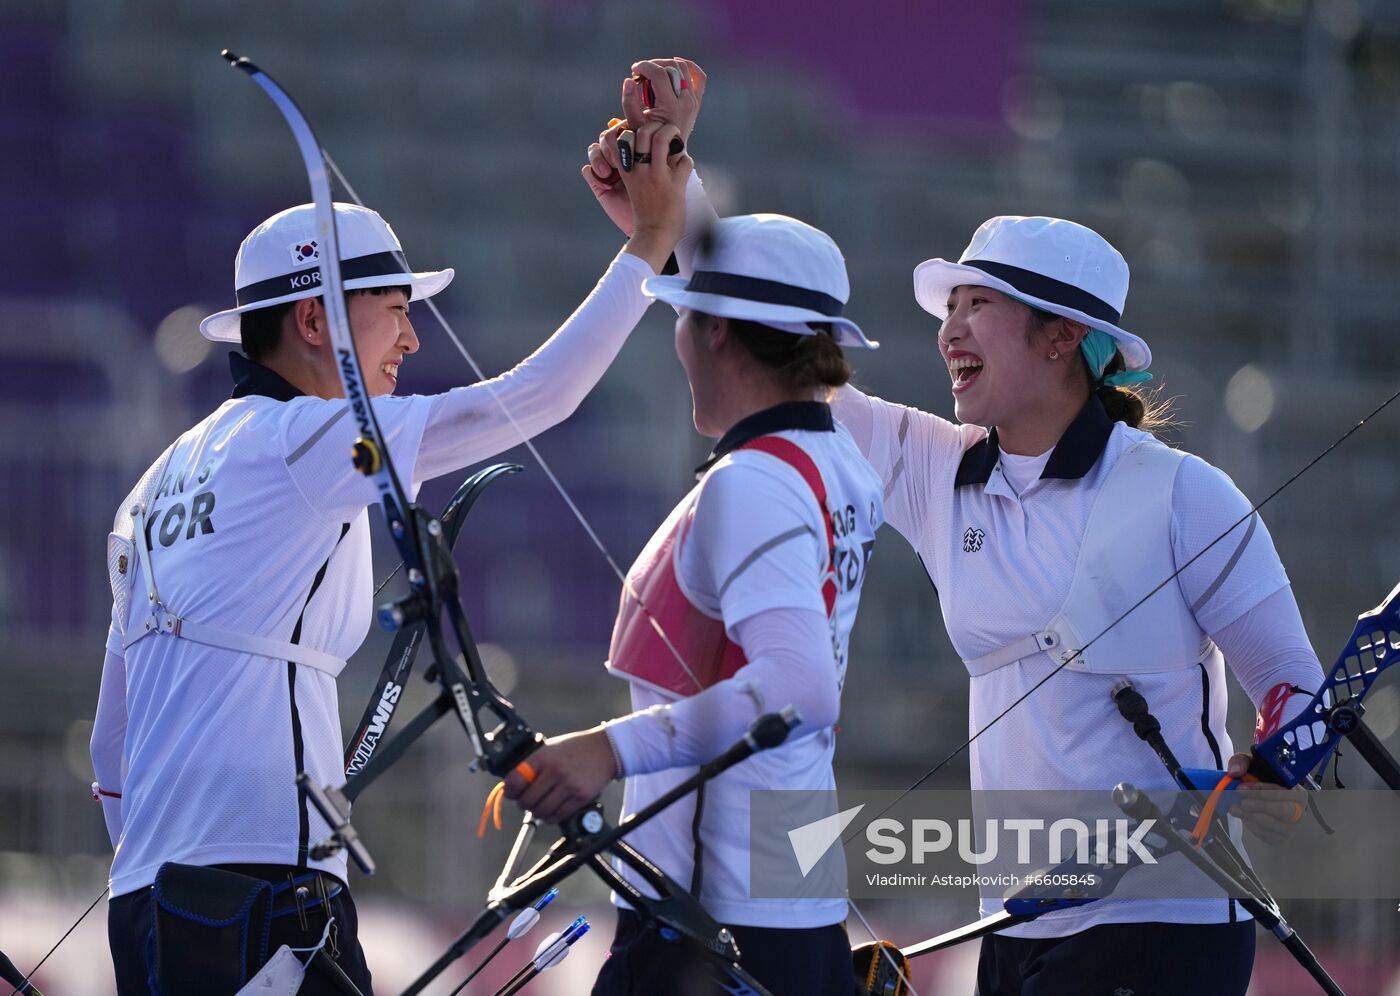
930,67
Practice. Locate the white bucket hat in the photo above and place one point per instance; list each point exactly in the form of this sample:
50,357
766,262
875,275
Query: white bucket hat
1049,263
280,261
771,269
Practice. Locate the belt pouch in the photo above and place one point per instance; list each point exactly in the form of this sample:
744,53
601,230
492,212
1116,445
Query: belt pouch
211,929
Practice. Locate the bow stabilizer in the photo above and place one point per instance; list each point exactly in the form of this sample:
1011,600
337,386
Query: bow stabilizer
1058,887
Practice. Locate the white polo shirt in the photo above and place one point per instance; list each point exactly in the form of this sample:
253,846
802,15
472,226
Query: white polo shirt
757,543
1000,538
260,528
215,738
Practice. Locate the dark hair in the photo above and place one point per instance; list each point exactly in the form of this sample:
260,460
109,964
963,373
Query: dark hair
800,361
1140,410
260,330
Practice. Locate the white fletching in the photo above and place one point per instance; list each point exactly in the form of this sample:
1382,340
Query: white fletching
523,923
550,952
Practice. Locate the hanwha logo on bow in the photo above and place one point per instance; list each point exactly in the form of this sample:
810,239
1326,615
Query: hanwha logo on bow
972,540
303,251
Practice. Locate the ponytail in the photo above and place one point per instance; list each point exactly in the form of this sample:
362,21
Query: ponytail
800,362
1145,411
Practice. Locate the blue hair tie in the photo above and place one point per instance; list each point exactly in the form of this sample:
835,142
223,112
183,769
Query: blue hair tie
1099,348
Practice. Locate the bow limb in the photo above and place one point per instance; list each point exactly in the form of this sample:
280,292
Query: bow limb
371,455
432,575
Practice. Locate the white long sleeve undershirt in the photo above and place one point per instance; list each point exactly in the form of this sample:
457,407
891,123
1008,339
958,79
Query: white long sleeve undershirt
1268,646
462,426
783,647
700,220
108,741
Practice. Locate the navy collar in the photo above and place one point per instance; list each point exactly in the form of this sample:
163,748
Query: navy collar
253,378
812,416
1073,456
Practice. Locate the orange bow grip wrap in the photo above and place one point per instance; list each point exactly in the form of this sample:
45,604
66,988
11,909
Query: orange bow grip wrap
491,812
1202,828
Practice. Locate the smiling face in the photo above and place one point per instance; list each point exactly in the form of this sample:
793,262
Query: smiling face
997,369
1013,368
383,336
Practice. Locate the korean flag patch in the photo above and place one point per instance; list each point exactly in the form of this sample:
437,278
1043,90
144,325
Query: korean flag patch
304,252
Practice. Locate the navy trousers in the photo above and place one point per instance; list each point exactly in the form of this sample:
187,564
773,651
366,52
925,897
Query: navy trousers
1122,959
814,961
129,926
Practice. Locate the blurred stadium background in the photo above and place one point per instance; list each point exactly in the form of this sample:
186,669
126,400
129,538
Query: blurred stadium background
1244,155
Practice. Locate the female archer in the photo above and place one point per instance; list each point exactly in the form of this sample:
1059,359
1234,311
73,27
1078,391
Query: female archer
754,581
1042,514
241,577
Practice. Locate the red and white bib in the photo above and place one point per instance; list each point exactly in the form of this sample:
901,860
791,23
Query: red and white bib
662,638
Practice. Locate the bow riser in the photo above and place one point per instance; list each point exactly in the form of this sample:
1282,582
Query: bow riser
1300,746
383,703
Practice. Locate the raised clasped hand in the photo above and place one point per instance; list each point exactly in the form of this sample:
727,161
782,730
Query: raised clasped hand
652,187
677,88
603,171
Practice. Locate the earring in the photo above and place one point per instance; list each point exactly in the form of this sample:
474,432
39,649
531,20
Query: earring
1054,354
